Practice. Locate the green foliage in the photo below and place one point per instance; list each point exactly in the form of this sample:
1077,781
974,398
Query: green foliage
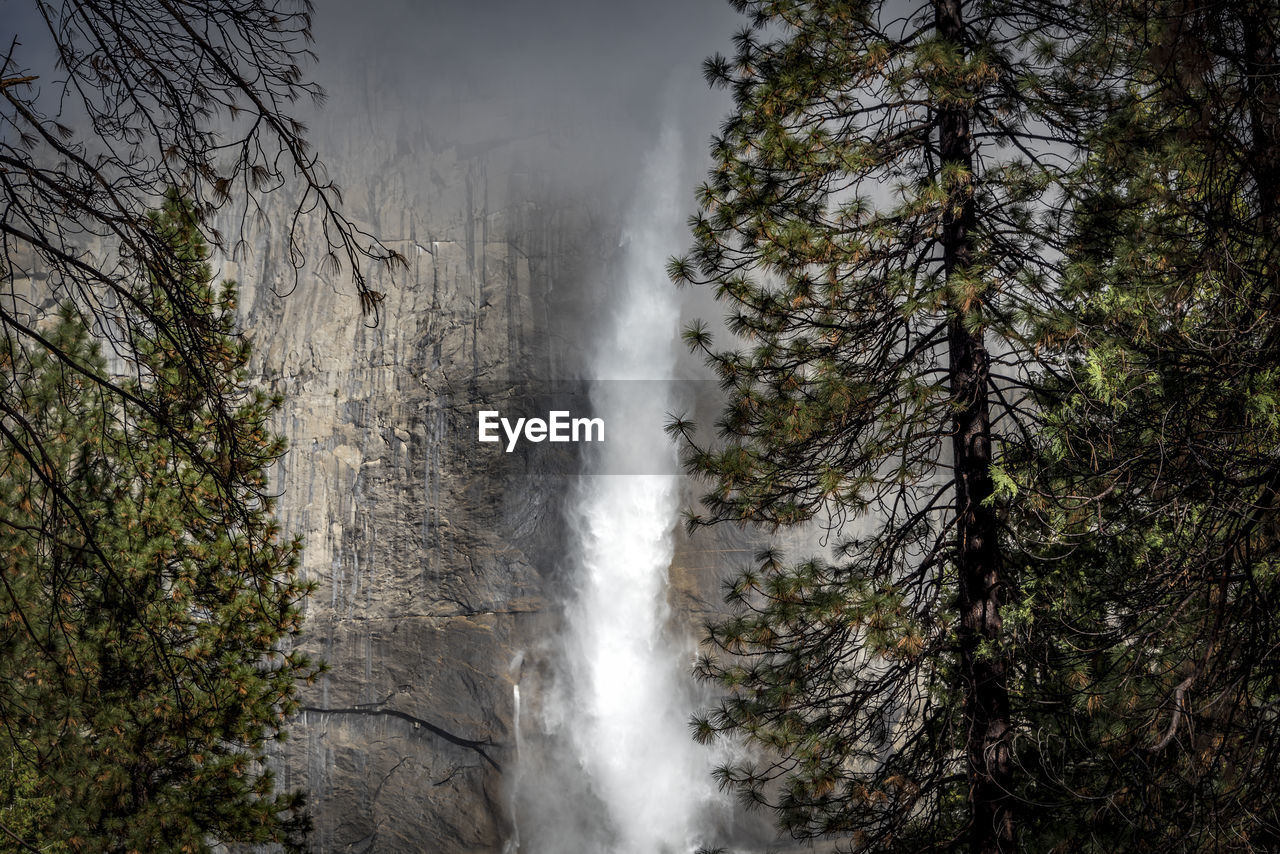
1149,615
25,810
1127,312
148,599
872,224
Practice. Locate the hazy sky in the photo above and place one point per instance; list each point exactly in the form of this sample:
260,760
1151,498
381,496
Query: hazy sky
599,53
601,76
591,84
587,63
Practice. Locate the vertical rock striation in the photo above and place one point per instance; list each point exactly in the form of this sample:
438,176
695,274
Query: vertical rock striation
434,566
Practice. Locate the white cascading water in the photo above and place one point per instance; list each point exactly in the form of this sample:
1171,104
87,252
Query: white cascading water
630,700
512,844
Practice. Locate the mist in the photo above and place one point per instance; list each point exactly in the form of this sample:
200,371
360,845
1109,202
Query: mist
584,85
601,106
536,162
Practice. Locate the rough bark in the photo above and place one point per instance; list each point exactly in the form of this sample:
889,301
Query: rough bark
978,559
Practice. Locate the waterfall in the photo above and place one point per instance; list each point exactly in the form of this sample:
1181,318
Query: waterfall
631,682
512,844
617,770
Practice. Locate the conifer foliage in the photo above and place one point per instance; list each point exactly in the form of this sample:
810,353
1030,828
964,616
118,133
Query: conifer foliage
1003,284
1153,617
870,220
147,597
106,104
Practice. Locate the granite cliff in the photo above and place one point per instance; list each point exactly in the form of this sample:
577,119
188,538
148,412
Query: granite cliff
434,568
441,565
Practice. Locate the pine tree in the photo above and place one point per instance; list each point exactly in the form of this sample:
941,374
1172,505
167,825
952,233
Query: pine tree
149,599
1156,602
871,222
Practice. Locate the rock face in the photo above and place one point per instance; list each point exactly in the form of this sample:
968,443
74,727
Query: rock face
440,564
436,560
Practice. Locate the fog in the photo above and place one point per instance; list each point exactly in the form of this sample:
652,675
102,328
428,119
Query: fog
600,106
596,80
606,103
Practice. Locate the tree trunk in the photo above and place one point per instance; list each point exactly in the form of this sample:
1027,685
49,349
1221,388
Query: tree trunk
986,701
1264,110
